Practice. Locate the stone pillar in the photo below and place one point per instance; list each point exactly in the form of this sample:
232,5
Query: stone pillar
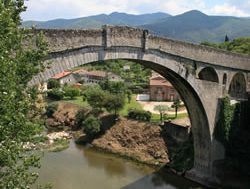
144,40
106,36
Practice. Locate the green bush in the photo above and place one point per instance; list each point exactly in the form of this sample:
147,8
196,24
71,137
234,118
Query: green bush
92,126
53,83
139,115
71,92
55,94
50,110
81,115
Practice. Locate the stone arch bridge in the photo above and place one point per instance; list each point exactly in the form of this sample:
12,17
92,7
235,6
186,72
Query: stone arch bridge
202,75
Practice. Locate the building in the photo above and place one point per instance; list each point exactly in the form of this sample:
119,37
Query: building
93,77
65,77
162,90
85,77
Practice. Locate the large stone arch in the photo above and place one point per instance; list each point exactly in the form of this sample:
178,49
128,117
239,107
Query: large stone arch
194,92
238,86
178,61
208,74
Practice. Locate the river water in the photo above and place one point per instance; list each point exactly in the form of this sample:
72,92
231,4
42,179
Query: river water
81,167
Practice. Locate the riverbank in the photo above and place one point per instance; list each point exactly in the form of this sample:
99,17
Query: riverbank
140,141
136,140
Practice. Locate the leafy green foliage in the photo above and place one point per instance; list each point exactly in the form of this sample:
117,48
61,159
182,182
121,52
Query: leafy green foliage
18,66
81,115
55,94
136,75
50,110
239,45
95,97
71,92
139,115
114,102
224,125
91,126
162,109
53,83
114,87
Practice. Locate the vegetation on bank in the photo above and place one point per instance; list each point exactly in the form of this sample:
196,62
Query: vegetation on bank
18,114
239,45
233,131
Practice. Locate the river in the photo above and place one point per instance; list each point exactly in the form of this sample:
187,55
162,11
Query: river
81,167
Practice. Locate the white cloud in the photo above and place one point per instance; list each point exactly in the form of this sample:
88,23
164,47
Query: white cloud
229,10
180,6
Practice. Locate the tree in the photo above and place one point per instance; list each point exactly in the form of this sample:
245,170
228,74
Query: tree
91,126
226,39
129,95
239,45
55,94
18,66
95,97
176,105
114,103
162,110
53,83
81,115
71,92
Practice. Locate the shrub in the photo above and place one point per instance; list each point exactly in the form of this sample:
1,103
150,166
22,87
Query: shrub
92,126
71,92
50,110
139,115
55,94
81,115
95,97
114,102
53,83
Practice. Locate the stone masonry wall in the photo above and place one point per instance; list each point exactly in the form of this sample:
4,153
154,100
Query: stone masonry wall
61,40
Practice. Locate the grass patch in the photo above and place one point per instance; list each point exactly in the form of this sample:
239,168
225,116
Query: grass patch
77,100
133,104
156,117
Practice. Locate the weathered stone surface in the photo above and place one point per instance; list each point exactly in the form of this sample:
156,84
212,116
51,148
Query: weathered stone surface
179,62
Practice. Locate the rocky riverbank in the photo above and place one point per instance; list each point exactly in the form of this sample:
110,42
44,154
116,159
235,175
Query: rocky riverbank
136,140
140,141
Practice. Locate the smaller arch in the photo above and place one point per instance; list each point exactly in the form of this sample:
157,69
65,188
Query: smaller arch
237,88
224,80
208,74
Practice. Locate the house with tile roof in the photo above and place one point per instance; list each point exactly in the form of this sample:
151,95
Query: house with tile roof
65,77
162,90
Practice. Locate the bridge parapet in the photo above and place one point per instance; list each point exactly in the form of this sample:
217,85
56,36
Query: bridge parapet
123,36
61,40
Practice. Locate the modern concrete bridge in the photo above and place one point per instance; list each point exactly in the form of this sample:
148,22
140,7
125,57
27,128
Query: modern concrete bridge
202,75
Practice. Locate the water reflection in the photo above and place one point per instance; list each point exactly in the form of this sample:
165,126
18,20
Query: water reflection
84,168
162,179
112,166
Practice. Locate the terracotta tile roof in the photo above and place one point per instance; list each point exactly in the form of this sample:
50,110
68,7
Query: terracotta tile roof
159,81
61,75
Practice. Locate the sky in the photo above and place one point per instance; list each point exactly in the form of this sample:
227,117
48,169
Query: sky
52,9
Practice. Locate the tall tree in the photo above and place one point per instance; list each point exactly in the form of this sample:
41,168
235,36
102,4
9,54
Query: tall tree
162,109
176,105
18,65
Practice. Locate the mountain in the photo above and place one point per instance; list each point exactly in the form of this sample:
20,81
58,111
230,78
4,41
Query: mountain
97,21
192,26
195,26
